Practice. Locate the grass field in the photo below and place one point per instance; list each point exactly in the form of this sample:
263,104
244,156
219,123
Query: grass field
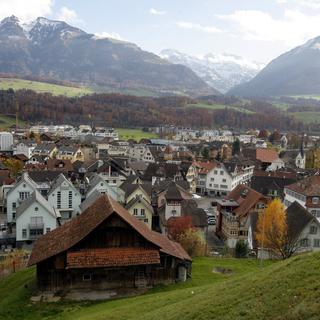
218,107
18,84
283,290
307,117
136,134
6,122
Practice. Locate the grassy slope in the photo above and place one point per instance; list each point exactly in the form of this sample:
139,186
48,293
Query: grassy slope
136,134
217,107
307,117
283,290
18,84
6,122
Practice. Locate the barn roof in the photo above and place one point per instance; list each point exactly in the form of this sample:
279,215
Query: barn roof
69,234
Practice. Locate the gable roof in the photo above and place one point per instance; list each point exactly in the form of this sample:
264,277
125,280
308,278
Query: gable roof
309,186
245,197
25,178
266,155
73,231
59,180
297,219
35,197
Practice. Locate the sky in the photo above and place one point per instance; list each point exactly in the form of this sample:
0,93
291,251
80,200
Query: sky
258,30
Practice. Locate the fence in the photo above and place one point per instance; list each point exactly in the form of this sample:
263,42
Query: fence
12,262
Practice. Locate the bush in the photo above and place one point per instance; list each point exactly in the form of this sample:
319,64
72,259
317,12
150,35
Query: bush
192,241
242,249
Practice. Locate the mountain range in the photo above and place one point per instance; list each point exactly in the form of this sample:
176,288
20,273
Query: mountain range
220,71
58,51
296,72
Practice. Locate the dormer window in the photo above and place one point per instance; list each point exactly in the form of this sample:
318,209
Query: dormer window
315,200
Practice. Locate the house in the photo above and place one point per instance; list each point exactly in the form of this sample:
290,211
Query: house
137,199
303,231
48,150
306,192
106,248
34,217
224,177
234,211
25,147
72,153
64,198
59,165
173,202
263,157
294,158
97,183
197,176
19,192
272,184
162,171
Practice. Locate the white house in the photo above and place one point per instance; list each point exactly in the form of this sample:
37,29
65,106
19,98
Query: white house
17,194
6,141
97,183
35,217
25,148
64,198
223,178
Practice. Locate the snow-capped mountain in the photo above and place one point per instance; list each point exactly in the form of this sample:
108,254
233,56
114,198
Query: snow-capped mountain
221,71
296,72
55,50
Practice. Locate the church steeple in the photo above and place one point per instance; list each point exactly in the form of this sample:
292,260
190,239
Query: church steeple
302,146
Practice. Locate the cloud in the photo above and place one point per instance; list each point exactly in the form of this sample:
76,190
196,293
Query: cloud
292,29
314,4
113,35
25,10
68,15
157,12
197,27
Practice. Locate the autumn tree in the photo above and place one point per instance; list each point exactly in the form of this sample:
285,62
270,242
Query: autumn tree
15,166
178,225
193,242
272,229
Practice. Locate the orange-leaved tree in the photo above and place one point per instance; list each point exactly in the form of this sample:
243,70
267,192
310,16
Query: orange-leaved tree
272,229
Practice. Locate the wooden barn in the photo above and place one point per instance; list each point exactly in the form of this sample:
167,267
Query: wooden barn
107,248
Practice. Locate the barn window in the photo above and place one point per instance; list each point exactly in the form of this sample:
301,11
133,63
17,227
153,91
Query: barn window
86,277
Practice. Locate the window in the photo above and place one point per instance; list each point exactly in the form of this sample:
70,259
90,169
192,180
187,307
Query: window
224,180
313,230
14,205
315,200
135,211
212,179
36,209
215,171
174,212
142,212
304,243
48,230
221,173
316,243
70,199
24,233
59,199
145,220
86,277
36,221
24,195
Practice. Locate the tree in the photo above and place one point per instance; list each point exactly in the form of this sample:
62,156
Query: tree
14,166
272,230
241,249
192,241
178,225
236,147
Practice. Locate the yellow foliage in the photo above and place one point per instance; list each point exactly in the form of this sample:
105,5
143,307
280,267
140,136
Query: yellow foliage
272,228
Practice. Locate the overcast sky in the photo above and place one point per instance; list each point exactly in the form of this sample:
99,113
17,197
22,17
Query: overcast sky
255,29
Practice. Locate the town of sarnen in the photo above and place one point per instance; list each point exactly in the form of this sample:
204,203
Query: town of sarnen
159,160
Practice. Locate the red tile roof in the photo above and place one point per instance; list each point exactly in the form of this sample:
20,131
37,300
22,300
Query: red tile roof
246,198
309,186
205,167
112,257
73,231
266,155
